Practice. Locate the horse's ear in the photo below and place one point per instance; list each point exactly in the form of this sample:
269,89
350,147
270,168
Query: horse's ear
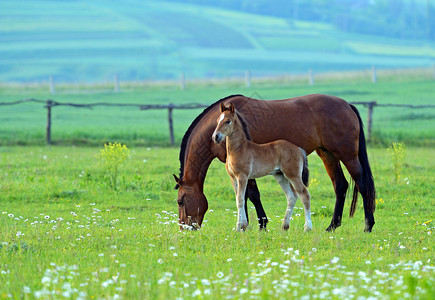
231,108
178,181
223,108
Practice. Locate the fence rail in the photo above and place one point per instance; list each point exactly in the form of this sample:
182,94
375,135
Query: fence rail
249,79
49,104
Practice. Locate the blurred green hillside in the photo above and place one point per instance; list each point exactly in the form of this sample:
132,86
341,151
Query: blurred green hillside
90,41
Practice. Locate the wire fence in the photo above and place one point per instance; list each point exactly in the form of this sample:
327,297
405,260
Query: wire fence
49,104
250,78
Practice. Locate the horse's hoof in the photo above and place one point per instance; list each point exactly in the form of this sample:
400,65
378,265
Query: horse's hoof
285,227
369,226
368,229
332,227
262,223
240,227
308,227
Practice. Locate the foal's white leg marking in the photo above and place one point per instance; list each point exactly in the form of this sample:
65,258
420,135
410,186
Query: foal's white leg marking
305,198
291,198
242,220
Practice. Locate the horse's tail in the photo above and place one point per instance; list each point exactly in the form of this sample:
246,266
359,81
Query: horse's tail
305,171
367,172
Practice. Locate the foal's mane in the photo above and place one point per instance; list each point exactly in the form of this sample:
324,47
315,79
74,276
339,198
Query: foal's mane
192,126
244,125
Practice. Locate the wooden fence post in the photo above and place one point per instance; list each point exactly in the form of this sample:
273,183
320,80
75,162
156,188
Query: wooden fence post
248,78
374,76
116,83
171,126
370,107
311,77
51,85
48,128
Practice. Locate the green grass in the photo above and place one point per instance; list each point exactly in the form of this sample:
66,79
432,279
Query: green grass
90,42
66,234
25,123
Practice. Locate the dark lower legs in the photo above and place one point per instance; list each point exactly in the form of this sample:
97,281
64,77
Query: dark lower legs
365,185
369,218
335,172
253,194
340,186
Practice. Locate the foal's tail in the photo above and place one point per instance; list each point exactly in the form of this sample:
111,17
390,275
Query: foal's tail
367,172
305,171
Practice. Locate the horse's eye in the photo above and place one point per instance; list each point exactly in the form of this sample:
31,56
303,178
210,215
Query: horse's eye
228,122
181,201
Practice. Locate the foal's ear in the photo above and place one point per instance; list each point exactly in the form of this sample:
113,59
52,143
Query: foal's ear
223,108
231,108
177,180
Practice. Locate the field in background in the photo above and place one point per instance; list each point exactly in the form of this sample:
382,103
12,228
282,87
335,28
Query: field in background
82,41
25,123
66,233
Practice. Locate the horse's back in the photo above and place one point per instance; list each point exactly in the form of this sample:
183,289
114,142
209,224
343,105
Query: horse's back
310,122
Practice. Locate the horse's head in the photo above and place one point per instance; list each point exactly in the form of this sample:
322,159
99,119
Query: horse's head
192,205
225,123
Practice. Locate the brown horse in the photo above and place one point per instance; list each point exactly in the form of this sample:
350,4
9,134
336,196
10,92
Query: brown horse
285,161
325,124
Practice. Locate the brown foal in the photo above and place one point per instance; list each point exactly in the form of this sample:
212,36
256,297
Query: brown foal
246,160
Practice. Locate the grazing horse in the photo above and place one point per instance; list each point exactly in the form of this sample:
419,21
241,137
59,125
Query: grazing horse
247,160
326,124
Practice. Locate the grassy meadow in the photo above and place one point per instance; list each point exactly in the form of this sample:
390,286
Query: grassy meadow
65,233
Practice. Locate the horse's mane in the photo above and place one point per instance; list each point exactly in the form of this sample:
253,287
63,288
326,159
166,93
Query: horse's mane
244,126
192,126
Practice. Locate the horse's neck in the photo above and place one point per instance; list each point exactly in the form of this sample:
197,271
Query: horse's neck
237,139
198,159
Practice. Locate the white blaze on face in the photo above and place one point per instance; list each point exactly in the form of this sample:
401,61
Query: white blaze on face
219,121
221,118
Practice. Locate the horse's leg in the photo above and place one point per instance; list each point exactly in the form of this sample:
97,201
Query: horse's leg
236,188
356,171
291,199
242,221
246,206
335,172
305,198
253,194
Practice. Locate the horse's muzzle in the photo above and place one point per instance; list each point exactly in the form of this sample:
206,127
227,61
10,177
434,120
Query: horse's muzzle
190,225
217,138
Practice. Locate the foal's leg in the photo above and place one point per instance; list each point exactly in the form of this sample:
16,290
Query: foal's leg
291,199
335,172
242,220
305,198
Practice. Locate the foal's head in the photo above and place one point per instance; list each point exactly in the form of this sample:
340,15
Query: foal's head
225,123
